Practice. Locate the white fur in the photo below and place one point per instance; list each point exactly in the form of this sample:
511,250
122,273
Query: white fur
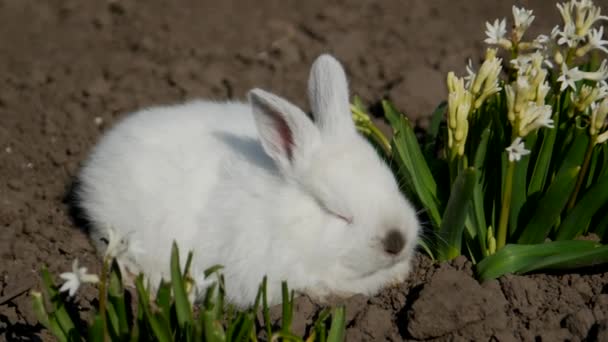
221,182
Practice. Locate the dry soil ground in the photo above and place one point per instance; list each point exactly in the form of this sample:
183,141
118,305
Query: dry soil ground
70,68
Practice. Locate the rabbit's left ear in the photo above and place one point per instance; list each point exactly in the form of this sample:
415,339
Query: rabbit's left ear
287,135
328,94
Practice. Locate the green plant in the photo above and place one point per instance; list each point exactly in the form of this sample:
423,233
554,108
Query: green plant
169,315
520,170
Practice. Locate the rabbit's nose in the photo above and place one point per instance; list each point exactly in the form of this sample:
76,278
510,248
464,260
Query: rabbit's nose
393,242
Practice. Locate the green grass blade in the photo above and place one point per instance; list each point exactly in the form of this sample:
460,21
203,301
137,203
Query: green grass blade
246,327
182,305
513,258
338,325
549,208
452,224
580,216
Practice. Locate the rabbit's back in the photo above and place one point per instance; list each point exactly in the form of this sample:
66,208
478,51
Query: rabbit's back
153,172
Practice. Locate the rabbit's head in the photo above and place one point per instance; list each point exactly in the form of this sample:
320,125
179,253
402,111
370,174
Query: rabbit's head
368,226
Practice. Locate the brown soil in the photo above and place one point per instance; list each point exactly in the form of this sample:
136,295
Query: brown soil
70,68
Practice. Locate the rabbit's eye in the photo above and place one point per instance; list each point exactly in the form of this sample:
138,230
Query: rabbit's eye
346,219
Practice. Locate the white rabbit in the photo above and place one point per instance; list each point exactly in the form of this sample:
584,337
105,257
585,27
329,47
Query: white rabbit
258,188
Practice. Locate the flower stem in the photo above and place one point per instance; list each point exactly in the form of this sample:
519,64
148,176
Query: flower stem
582,174
381,138
505,208
103,296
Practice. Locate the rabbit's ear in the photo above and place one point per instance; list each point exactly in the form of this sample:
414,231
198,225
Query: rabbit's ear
328,94
286,133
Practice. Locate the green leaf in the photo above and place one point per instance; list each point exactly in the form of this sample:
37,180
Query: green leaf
452,224
477,218
214,332
182,305
265,310
549,208
543,160
286,336
581,214
576,152
96,330
212,269
287,308
513,258
158,328
117,300
568,259
436,119
246,327
427,249
338,325
519,186
60,313
163,298
601,226
48,321
412,163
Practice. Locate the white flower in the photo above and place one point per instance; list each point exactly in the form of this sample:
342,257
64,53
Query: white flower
117,244
540,41
586,15
594,39
603,90
523,18
568,77
74,279
535,117
496,31
517,150
470,77
555,32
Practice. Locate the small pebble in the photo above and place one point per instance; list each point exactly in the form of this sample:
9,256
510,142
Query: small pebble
98,120
8,149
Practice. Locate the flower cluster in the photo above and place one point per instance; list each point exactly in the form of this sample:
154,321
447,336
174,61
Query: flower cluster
527,111
468,94
526,93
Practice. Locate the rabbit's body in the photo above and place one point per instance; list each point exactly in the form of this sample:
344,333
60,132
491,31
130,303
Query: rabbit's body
262,194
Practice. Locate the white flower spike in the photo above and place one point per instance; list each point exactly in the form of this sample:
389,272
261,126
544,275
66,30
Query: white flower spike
517,150
77,277
568,77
